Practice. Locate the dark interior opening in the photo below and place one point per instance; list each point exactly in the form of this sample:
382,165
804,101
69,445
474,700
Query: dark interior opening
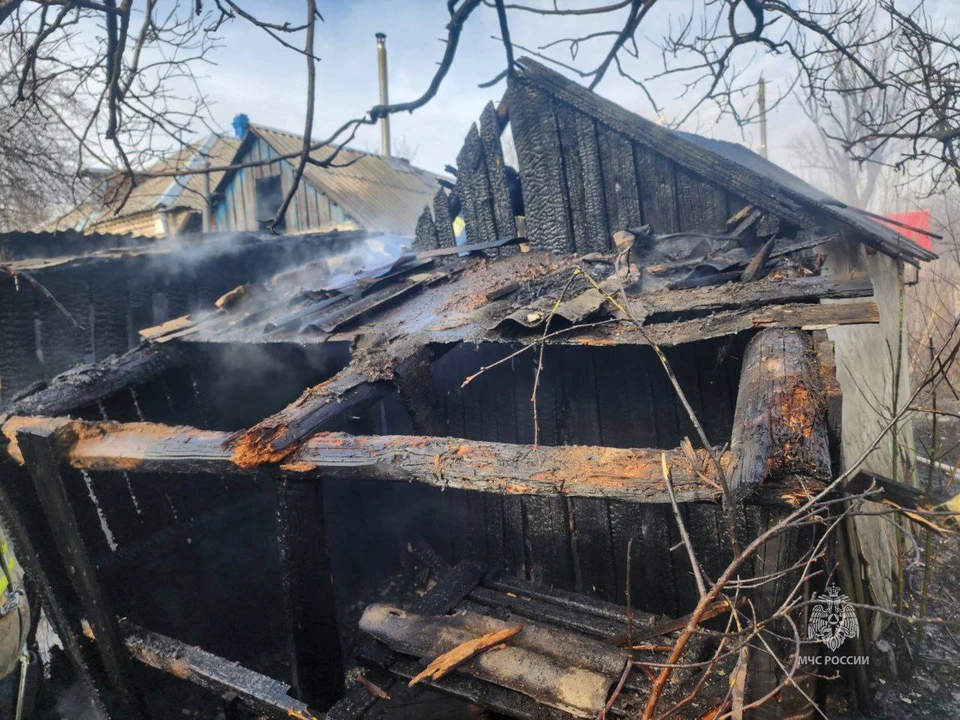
269,200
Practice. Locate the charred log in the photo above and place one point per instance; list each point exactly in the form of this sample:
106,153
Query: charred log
88,384
780,420
632,475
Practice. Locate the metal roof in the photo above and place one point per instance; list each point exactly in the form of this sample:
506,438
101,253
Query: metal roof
183,191
382,194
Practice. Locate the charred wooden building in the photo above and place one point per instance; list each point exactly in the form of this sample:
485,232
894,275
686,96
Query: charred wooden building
318,474
69,299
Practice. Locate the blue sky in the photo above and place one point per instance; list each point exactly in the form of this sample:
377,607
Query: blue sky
255,76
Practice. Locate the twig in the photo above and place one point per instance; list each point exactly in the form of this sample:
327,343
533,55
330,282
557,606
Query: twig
37,284
691,554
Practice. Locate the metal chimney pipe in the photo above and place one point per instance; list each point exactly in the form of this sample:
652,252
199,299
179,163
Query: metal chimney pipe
762,102
384,94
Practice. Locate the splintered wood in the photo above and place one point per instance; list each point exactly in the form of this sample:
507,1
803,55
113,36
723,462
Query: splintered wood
449,661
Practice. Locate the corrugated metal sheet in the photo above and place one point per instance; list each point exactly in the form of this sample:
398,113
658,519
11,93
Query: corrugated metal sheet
186,190
382,194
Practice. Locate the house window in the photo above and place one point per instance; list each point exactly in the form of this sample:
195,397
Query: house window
269,199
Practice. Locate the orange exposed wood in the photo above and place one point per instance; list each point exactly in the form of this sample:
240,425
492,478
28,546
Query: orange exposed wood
450,660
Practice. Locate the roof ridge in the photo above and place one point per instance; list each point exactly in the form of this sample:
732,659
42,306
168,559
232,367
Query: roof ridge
299,136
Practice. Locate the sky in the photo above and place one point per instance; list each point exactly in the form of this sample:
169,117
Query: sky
253,75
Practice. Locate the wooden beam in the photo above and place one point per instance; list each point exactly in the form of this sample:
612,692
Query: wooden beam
261,693
499,191
752,294
41,451
803,316
633,475
779,426
418,392
276,436
88,384
316,657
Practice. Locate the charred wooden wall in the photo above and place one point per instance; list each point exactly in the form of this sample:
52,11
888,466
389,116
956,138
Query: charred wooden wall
193,556
587,396
112,299
196,557
582,179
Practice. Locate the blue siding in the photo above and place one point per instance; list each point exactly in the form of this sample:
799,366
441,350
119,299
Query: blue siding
309,210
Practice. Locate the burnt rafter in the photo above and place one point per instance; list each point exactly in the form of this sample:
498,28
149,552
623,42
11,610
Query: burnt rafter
277,436
87,384
633,475
259,692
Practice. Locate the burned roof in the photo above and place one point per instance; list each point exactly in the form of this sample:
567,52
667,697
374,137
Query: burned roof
32,251
589,168
442,297
893,242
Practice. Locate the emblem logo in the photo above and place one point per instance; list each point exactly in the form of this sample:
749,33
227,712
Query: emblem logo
833,619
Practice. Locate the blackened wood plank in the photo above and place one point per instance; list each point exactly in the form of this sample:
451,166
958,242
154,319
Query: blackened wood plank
541,168
317,662
452,587
64,342
426,233
505,222
597,235
581,424
702,204
546,531
38,447
108,294
620,179
259,692
475,190
657,572
576,183
657,180
19,365
443,221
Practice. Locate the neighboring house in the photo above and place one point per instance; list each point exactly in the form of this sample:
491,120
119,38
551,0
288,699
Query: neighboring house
157,206
364,191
